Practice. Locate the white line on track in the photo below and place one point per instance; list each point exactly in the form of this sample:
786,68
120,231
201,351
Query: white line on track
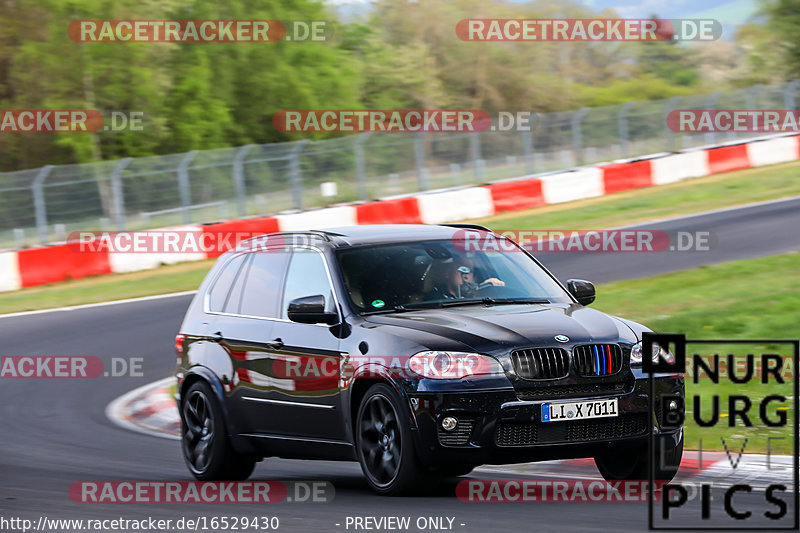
708,213
100,304
174,294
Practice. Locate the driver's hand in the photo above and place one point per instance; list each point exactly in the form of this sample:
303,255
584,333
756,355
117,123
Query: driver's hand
494,281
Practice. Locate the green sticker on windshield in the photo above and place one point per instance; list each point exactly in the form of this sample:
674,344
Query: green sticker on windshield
378,303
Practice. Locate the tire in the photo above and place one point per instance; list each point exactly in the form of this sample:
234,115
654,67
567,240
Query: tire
207,450
384,444
633,464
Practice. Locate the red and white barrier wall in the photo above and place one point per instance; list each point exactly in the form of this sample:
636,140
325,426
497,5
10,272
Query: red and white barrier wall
55,263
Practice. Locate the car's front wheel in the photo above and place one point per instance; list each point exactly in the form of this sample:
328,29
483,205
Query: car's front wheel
206,448
633,464
384,445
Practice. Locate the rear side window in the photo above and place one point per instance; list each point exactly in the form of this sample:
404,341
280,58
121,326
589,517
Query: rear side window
262,286
234,301
222,286
307,276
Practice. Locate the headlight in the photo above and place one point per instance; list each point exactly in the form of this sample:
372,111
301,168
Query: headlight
658,354
453,365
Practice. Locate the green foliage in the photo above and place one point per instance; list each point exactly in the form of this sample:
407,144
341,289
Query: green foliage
643,88
399,54
669,61
770,43
784,21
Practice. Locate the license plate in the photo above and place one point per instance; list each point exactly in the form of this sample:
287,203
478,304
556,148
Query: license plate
559,412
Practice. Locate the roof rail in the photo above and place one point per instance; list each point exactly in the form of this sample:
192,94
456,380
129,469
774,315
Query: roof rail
314,233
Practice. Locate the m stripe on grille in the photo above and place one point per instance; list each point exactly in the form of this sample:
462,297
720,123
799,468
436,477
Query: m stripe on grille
597,359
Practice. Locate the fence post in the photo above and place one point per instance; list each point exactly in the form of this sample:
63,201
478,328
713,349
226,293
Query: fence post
419,161
477,157
238,179
183,186
361,170
19,238
750,97
527,144
712,106
788,94
116,193
455,172
668,108
622,128
295,177
750,102
577,138
39,203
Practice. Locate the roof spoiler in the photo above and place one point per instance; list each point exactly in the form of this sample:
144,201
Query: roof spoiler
468,226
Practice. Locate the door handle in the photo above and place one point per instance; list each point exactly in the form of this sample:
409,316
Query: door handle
276,344
217,336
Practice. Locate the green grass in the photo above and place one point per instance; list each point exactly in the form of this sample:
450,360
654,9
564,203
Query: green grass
751,299
640,205
166,279
691,196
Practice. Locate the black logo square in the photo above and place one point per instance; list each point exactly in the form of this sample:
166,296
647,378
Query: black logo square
672,342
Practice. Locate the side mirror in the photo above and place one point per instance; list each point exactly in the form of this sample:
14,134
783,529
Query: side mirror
582,290
310,310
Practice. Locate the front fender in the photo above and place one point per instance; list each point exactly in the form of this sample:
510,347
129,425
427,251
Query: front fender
374,372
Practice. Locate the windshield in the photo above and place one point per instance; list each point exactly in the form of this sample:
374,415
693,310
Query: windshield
440,273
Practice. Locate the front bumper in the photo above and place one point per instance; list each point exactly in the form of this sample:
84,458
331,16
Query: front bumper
497,427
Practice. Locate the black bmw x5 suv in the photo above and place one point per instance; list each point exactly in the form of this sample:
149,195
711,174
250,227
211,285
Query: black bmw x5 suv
419,351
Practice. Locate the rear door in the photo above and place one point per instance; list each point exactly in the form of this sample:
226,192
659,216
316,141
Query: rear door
244,328
309,356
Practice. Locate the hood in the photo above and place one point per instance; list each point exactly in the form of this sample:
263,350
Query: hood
500,328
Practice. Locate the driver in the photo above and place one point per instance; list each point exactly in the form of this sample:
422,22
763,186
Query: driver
459,282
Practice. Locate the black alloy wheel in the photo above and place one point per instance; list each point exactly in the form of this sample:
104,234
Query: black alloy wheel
206,448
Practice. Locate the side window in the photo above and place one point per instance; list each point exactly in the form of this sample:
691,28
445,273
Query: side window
218,294
234,301
262,287
307,276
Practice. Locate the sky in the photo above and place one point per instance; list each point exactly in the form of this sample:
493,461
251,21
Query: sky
731,13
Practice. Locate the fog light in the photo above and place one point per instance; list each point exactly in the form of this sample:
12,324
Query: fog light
449,423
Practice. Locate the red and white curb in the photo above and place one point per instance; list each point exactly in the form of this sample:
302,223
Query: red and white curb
59,262
715,468
151,410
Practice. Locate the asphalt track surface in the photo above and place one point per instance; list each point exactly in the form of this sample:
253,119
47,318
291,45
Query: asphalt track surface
54,432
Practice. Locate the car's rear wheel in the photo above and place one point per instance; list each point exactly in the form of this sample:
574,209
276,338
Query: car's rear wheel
384,445
633,464
206,448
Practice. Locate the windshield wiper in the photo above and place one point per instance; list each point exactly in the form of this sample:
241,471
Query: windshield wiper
416,306
400,309
495,301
